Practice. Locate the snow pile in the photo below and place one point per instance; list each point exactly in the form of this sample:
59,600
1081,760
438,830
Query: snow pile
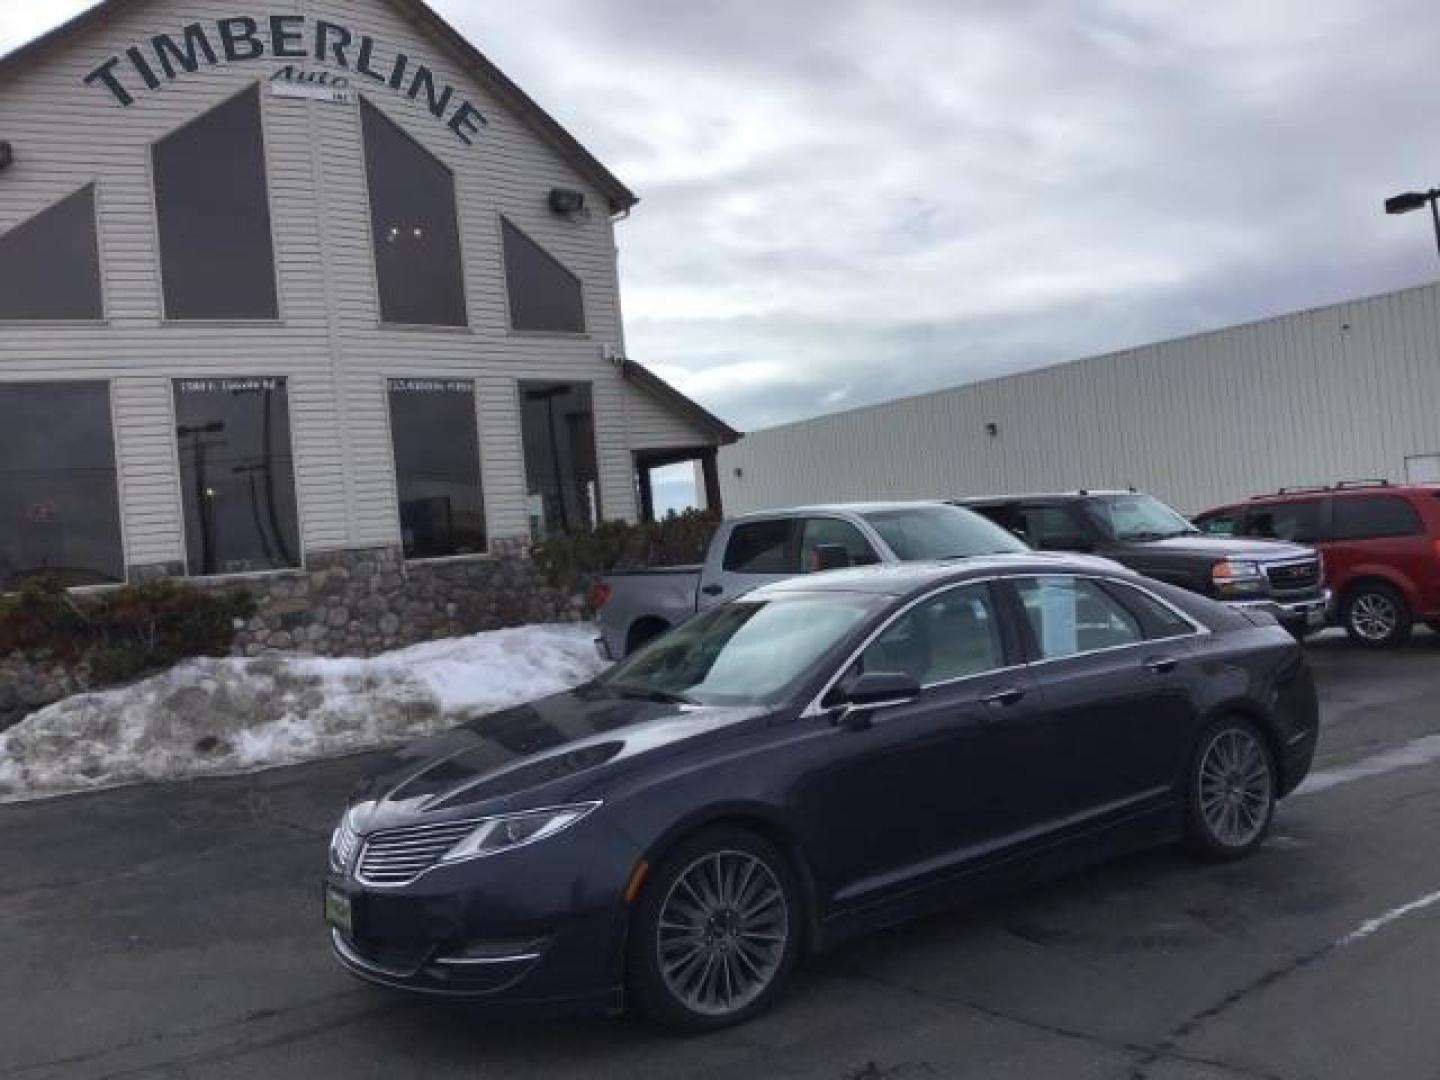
206,717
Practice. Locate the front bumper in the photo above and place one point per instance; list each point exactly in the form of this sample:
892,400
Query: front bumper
1310,613
538,928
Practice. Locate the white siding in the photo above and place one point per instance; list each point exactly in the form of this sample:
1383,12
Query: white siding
328,341
1347,391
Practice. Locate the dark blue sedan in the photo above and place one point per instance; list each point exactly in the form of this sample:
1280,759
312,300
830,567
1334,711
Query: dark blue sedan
818,758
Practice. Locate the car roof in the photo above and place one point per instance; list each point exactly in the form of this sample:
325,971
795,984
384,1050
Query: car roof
1317,492
1343,492
903,579
843,508
1052,496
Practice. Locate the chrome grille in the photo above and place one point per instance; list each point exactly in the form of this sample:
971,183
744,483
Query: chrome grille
343,846
1294,576
399,856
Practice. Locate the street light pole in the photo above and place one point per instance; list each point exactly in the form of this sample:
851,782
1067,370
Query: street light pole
1414,200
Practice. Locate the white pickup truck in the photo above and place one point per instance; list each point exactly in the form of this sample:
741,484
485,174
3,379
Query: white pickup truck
753,550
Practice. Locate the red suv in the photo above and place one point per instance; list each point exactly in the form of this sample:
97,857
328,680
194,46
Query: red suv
1380,542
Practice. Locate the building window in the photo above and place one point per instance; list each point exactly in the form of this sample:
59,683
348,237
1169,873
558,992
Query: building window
415,227
213,209
237,475
50,265
543,294
59,508
433,428
561,469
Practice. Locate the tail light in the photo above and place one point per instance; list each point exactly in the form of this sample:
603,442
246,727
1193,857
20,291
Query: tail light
600,594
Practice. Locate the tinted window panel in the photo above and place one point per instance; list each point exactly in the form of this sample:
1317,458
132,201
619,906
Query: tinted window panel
1159,620
833,531
1219,524
237,475
1302,522
1072,615
437,466
543,294
1050,528
1007,516
415,227
213,213
1370,517
50,265
59,508
562,472
761,547
955,635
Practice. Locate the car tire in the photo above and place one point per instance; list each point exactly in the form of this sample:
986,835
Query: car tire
1376,615
1231,796
716,932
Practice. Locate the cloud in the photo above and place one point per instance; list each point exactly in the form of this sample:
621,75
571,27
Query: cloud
850,200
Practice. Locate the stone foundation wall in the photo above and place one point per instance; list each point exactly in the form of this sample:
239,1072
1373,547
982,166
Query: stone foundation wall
343,603
359,603
27,685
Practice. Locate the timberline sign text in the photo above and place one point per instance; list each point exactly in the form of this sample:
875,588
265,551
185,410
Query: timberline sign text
240,39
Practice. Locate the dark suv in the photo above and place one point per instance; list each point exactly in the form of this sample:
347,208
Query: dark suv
1144,534
1381,544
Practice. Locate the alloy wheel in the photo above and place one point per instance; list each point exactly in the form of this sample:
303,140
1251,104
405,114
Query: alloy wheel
1374,616
1236,788
722,932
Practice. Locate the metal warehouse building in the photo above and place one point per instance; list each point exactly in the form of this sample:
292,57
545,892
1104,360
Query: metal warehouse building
308,287
1346,391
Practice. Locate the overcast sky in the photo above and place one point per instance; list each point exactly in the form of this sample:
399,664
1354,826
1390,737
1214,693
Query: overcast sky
845,201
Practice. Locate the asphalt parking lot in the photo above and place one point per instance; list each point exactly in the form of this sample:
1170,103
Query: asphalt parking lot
174,932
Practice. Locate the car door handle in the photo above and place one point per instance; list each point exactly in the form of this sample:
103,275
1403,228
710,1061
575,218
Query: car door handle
1161,665
713,590
1003,699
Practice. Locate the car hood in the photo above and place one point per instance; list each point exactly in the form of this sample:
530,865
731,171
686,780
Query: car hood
1211,547
565,741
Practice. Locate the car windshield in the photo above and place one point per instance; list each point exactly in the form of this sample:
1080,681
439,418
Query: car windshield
747,652
1137,517
941,532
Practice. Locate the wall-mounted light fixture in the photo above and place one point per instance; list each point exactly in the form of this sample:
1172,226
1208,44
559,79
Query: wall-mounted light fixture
739,473
567,201
7,154
1407,201
992,429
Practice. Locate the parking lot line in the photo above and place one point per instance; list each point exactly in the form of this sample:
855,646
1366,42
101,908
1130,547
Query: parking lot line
1421,751
1370,926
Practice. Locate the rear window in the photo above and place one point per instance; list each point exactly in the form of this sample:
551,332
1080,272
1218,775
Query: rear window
941,532
763,547
1372,517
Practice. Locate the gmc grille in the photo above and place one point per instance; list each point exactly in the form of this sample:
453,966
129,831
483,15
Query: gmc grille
399,856
1294,576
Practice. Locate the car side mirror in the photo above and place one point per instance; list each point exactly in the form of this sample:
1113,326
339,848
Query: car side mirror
872,692
831,557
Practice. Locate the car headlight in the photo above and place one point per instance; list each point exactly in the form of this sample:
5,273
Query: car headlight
497,834
1235,576
344,842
